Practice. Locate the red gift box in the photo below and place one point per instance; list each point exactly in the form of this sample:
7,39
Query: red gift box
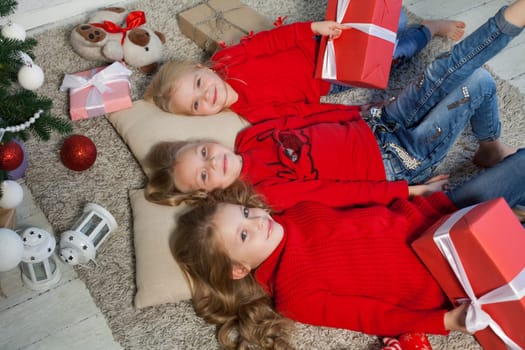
98,91
476,254
362,55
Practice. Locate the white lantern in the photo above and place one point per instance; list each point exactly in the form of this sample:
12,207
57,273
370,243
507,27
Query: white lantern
39,265
80,244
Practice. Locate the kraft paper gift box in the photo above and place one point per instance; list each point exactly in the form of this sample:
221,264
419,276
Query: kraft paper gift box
477,254
98,91
220,21
362,55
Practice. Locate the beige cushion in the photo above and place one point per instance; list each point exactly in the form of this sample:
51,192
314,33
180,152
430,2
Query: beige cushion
144,124
158,277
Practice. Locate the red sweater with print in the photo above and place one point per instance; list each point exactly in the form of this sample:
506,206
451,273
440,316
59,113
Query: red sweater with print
272,70
354,268
331,157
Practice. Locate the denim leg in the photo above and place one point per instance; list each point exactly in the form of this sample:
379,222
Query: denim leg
403,20
336,88
505,179
450,69
413,153
410,41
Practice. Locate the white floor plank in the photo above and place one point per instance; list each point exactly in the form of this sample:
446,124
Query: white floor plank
33,15
54,317
15,293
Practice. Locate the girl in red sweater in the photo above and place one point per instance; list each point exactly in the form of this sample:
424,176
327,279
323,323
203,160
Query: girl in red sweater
260,76
347,268
287,161
332,155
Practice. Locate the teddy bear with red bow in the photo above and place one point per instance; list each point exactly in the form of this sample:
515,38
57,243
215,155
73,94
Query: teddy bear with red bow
111,35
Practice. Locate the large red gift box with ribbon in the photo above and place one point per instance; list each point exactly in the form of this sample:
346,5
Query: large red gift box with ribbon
98,91
477,255
362,55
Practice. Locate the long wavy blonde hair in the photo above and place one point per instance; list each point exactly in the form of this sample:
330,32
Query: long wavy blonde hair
241,309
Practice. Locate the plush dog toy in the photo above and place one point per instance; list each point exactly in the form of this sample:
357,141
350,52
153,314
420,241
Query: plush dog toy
103,39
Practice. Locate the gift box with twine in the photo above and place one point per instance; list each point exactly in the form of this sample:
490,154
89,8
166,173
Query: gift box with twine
216,23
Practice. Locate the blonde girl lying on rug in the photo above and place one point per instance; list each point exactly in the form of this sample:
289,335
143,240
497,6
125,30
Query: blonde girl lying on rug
333,156
349,268
259,77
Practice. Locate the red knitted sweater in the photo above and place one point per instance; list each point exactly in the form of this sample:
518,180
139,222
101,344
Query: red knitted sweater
354,268
273,69
331,157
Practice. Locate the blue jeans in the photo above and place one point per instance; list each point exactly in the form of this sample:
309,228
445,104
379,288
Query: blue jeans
505,179
410,40
416,130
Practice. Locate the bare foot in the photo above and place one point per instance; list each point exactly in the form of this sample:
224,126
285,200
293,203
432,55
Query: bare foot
446,28
491,152
515,13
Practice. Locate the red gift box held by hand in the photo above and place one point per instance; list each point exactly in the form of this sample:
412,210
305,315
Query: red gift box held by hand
362,55
476,255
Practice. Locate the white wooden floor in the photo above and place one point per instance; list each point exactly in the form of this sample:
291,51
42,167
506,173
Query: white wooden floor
57,319
65,316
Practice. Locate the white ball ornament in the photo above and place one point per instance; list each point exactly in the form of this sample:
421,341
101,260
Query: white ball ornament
11,249
31,77
12,194
14,31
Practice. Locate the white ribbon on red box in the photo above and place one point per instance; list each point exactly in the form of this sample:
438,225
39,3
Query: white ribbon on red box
113,73
329,65
477,318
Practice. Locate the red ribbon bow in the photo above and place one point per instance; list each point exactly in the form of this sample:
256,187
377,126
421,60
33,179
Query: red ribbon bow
133,20
279,21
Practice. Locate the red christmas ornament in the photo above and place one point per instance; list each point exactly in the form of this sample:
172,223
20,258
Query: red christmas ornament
78,152
407,341
11,156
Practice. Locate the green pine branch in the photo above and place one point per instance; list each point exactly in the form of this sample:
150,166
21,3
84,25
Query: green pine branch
18,105
7,7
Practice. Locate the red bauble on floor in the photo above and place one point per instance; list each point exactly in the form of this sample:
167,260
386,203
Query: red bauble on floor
11,156
407,341
78,152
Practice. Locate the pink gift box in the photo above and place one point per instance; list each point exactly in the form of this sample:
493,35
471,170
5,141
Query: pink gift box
362,55
98,91
489,241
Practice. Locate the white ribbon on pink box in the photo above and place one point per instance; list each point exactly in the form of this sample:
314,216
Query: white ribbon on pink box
98,83
329,65
477,318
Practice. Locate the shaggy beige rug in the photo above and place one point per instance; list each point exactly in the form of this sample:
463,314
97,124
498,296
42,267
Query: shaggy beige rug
61,193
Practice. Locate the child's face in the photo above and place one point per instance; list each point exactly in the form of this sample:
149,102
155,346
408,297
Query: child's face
201,92
205,166
249,235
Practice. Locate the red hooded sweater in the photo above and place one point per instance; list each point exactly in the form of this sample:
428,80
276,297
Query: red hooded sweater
354,268
331,157
271,70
